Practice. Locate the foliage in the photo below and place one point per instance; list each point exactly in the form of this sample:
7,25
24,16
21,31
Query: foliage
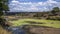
3,6
55,9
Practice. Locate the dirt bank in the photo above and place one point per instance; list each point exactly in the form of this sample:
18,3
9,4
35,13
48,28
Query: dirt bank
41,30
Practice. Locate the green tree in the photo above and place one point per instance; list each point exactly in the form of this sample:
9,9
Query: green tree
55,9
3,7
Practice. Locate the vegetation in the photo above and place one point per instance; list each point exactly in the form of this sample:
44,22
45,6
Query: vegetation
3,23
40,22
3,7
55,9
40,18
3,31
53,16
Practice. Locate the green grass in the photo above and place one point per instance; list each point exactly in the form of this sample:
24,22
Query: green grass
50,23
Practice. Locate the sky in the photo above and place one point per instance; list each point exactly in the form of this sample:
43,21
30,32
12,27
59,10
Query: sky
32,5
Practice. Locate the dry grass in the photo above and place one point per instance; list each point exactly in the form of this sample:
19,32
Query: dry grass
3,31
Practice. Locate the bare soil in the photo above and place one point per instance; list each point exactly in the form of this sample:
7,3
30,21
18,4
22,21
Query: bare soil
42,30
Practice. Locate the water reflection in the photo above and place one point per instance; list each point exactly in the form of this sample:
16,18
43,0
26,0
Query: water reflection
17,30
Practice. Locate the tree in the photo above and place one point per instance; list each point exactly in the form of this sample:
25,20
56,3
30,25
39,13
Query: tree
3,7
55,9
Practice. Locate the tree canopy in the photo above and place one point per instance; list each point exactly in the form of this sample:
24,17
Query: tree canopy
55,9
3,6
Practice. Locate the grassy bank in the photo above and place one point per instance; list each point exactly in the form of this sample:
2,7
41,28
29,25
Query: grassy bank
50,23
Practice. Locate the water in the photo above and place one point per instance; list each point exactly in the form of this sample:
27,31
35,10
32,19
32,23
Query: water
17,30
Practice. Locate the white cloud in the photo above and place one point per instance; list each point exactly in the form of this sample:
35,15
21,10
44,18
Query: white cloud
29,6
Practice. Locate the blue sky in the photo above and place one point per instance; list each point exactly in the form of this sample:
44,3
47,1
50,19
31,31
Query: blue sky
32,5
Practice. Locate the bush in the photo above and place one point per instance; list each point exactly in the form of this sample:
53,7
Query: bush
54,18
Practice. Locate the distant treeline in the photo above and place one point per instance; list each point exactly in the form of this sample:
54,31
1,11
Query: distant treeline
54,14
17,13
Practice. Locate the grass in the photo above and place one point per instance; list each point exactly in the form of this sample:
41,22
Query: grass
50,23
3,31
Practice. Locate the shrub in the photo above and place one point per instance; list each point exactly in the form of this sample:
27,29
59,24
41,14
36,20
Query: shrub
54,18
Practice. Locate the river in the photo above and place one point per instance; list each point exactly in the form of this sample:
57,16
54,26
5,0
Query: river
17,30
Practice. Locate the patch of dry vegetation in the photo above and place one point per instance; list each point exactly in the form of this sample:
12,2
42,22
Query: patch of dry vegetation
3,31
